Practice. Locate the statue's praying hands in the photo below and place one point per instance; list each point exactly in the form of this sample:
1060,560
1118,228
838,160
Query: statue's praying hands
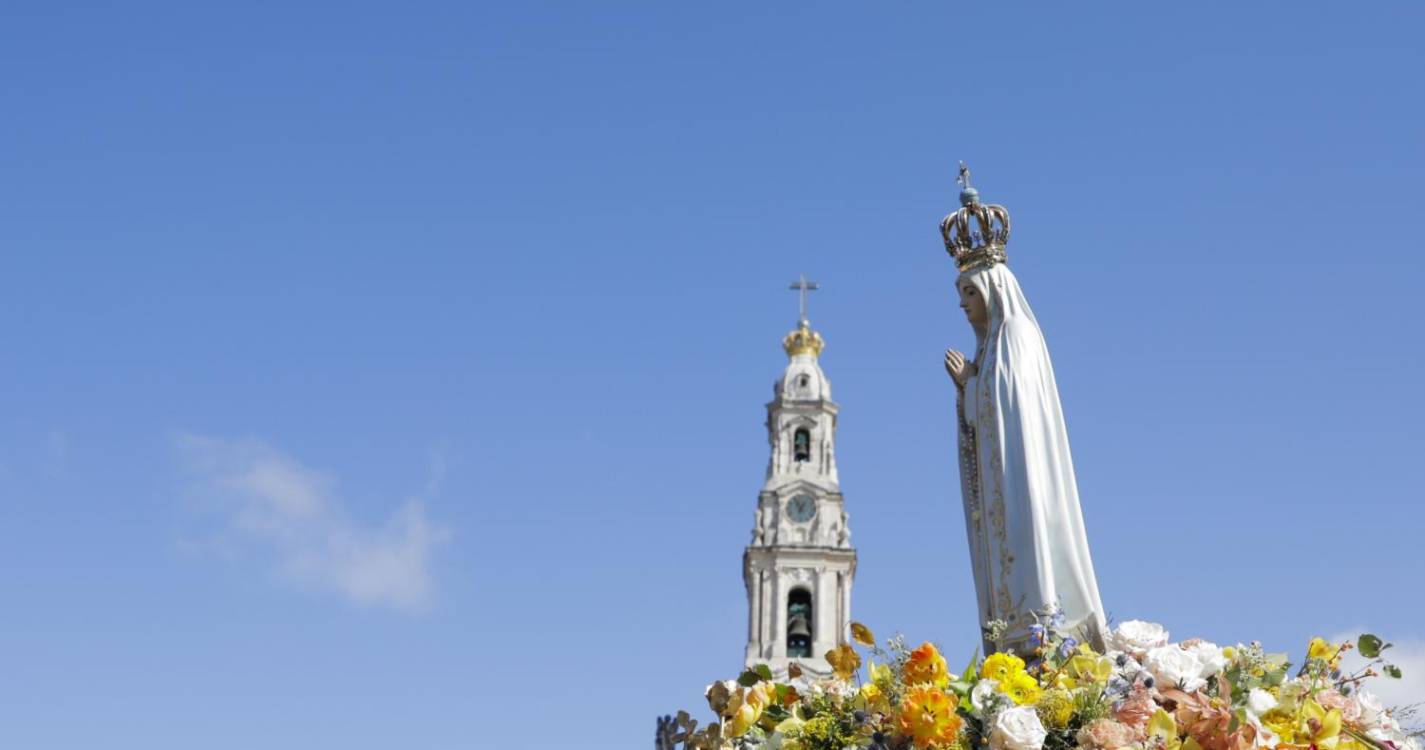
959,368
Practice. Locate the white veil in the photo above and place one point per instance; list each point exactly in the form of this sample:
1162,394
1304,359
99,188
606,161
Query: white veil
1028,546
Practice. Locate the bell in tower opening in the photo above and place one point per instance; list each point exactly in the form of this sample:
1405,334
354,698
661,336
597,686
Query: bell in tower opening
801,445
799,635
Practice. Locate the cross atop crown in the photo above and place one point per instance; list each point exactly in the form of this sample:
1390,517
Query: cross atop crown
976,234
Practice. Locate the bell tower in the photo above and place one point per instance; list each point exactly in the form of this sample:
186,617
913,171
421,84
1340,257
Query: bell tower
799,567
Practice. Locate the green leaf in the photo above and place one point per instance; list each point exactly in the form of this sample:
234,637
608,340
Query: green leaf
764,671
1392,671
972,670
749,678
1369,645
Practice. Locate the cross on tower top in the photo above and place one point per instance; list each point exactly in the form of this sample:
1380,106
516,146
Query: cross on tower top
802,286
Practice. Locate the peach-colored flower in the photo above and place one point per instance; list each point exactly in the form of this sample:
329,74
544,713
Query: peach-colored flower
1204,718
1349,707
1137,709
1107,734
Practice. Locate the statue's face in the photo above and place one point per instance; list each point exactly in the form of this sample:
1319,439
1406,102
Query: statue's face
974,304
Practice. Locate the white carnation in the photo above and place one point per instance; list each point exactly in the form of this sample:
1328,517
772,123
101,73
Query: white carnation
1137,636
1018,729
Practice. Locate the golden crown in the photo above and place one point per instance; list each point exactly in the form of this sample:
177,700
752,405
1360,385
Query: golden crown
977,233
803,341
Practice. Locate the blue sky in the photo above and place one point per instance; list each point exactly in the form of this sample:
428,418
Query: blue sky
391,375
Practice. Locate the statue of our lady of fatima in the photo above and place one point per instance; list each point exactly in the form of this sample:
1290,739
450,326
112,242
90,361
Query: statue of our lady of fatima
1028,549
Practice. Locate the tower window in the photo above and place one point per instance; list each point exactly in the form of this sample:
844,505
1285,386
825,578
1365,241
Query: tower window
801,445
799,632
804,381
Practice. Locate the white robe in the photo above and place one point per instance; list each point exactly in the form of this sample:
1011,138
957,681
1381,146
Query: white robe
1028,549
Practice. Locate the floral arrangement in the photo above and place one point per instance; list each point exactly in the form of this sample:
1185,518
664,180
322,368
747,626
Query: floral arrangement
1142,693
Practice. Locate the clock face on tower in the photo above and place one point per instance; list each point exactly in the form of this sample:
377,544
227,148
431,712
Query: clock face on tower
801,508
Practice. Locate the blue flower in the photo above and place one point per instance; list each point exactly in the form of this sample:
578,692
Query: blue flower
1068,646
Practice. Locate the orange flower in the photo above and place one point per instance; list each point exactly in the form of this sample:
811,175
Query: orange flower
926,665
927,716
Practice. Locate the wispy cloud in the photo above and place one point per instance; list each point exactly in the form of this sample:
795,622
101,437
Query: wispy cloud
293,516
1408,654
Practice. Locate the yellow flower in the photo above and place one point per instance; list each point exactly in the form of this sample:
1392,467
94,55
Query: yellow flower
999,666
844,660
928,716
1163,731
1320,649
1021,688
1318,726
926,665
1084,669
1056,708
822,731
873,697
862,634
1281,724
745,707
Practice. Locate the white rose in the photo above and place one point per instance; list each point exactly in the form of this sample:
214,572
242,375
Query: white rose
1211,656
1173,666
1260,701
1137,636
1018,729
